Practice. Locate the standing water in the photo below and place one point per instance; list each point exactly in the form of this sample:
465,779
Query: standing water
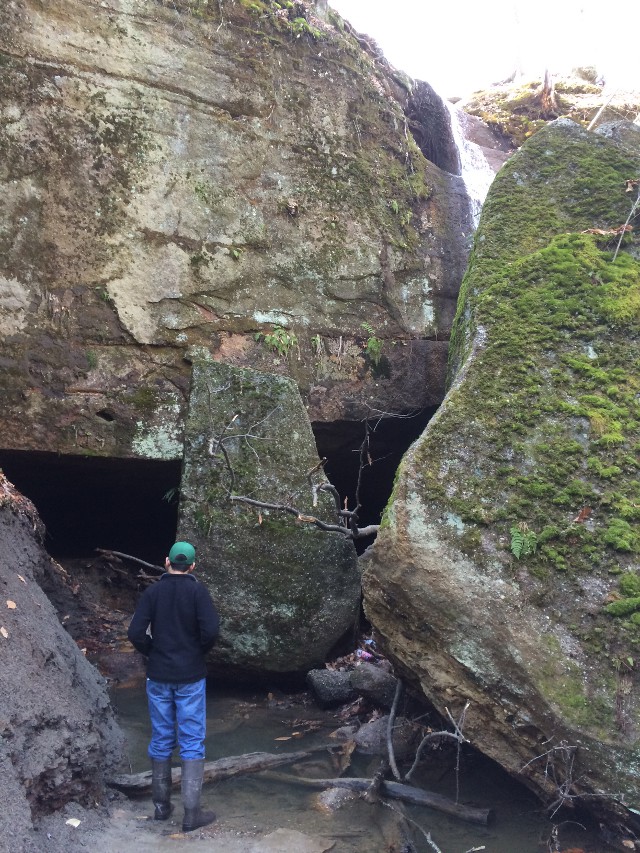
239,722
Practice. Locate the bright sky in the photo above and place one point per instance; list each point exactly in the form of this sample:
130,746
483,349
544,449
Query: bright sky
459,46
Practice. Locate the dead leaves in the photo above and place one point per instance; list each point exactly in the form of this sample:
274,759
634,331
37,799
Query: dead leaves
611,232
583,515
11,605
303,727
342,759
631,185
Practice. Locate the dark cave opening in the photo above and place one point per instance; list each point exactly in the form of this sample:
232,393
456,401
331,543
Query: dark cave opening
389,438
87,502
130,505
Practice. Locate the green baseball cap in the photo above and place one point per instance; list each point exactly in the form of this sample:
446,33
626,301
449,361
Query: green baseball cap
182,554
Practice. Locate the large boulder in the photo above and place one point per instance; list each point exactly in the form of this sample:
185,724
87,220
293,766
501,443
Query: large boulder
59,734
286,591
507,570
184,173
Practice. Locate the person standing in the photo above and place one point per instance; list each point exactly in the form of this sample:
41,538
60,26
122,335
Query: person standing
174,626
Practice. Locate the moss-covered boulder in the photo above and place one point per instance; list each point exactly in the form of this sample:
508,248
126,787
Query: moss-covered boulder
507,570
286,590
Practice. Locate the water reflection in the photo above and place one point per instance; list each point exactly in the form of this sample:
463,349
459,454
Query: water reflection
240,722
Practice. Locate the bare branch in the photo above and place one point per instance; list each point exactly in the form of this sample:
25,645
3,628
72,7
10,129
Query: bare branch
329,487
308,519
623,230
456,735
602,109
372,794
392,718
316,487
426,834
108,553
232,473
317,467
564,786
213,450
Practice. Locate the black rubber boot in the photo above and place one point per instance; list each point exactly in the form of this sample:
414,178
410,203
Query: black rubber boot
161,788
194,817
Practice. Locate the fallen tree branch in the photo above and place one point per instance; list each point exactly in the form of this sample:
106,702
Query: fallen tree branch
214,771
397,791
309,519
106,553
624,228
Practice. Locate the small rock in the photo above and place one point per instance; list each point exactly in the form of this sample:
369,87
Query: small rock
371,738
290,841
373,683
332,799
330,687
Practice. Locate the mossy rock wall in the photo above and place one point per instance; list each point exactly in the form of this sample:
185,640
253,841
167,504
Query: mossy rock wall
513,532
286,591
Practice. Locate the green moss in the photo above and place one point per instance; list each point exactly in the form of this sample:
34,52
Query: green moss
630,585
621,536
553,388
623,607
563,683
144,399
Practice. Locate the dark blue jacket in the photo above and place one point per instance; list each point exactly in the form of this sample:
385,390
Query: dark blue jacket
183,624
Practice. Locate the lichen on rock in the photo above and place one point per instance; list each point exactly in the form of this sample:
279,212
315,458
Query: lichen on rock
176,173
286,591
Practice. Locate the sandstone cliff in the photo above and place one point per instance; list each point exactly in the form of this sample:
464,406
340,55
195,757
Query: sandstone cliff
189,173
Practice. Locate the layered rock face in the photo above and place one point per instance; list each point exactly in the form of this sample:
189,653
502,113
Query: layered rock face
507,571
184,173
59,735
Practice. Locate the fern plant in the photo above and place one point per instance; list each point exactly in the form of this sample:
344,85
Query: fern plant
523,541
373,346
279,339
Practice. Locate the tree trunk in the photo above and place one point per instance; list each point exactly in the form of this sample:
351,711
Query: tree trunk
548,100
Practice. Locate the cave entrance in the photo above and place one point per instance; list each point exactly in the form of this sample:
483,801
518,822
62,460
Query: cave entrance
88,502
389,439
130,505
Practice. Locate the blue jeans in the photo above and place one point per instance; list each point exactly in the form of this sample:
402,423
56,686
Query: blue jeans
181,707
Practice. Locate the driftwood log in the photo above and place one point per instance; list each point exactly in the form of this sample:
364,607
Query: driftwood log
136,784
398,791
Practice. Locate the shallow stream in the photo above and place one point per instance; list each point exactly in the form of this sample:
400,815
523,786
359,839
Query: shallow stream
240,722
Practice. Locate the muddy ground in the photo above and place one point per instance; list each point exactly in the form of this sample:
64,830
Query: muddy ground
65,647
